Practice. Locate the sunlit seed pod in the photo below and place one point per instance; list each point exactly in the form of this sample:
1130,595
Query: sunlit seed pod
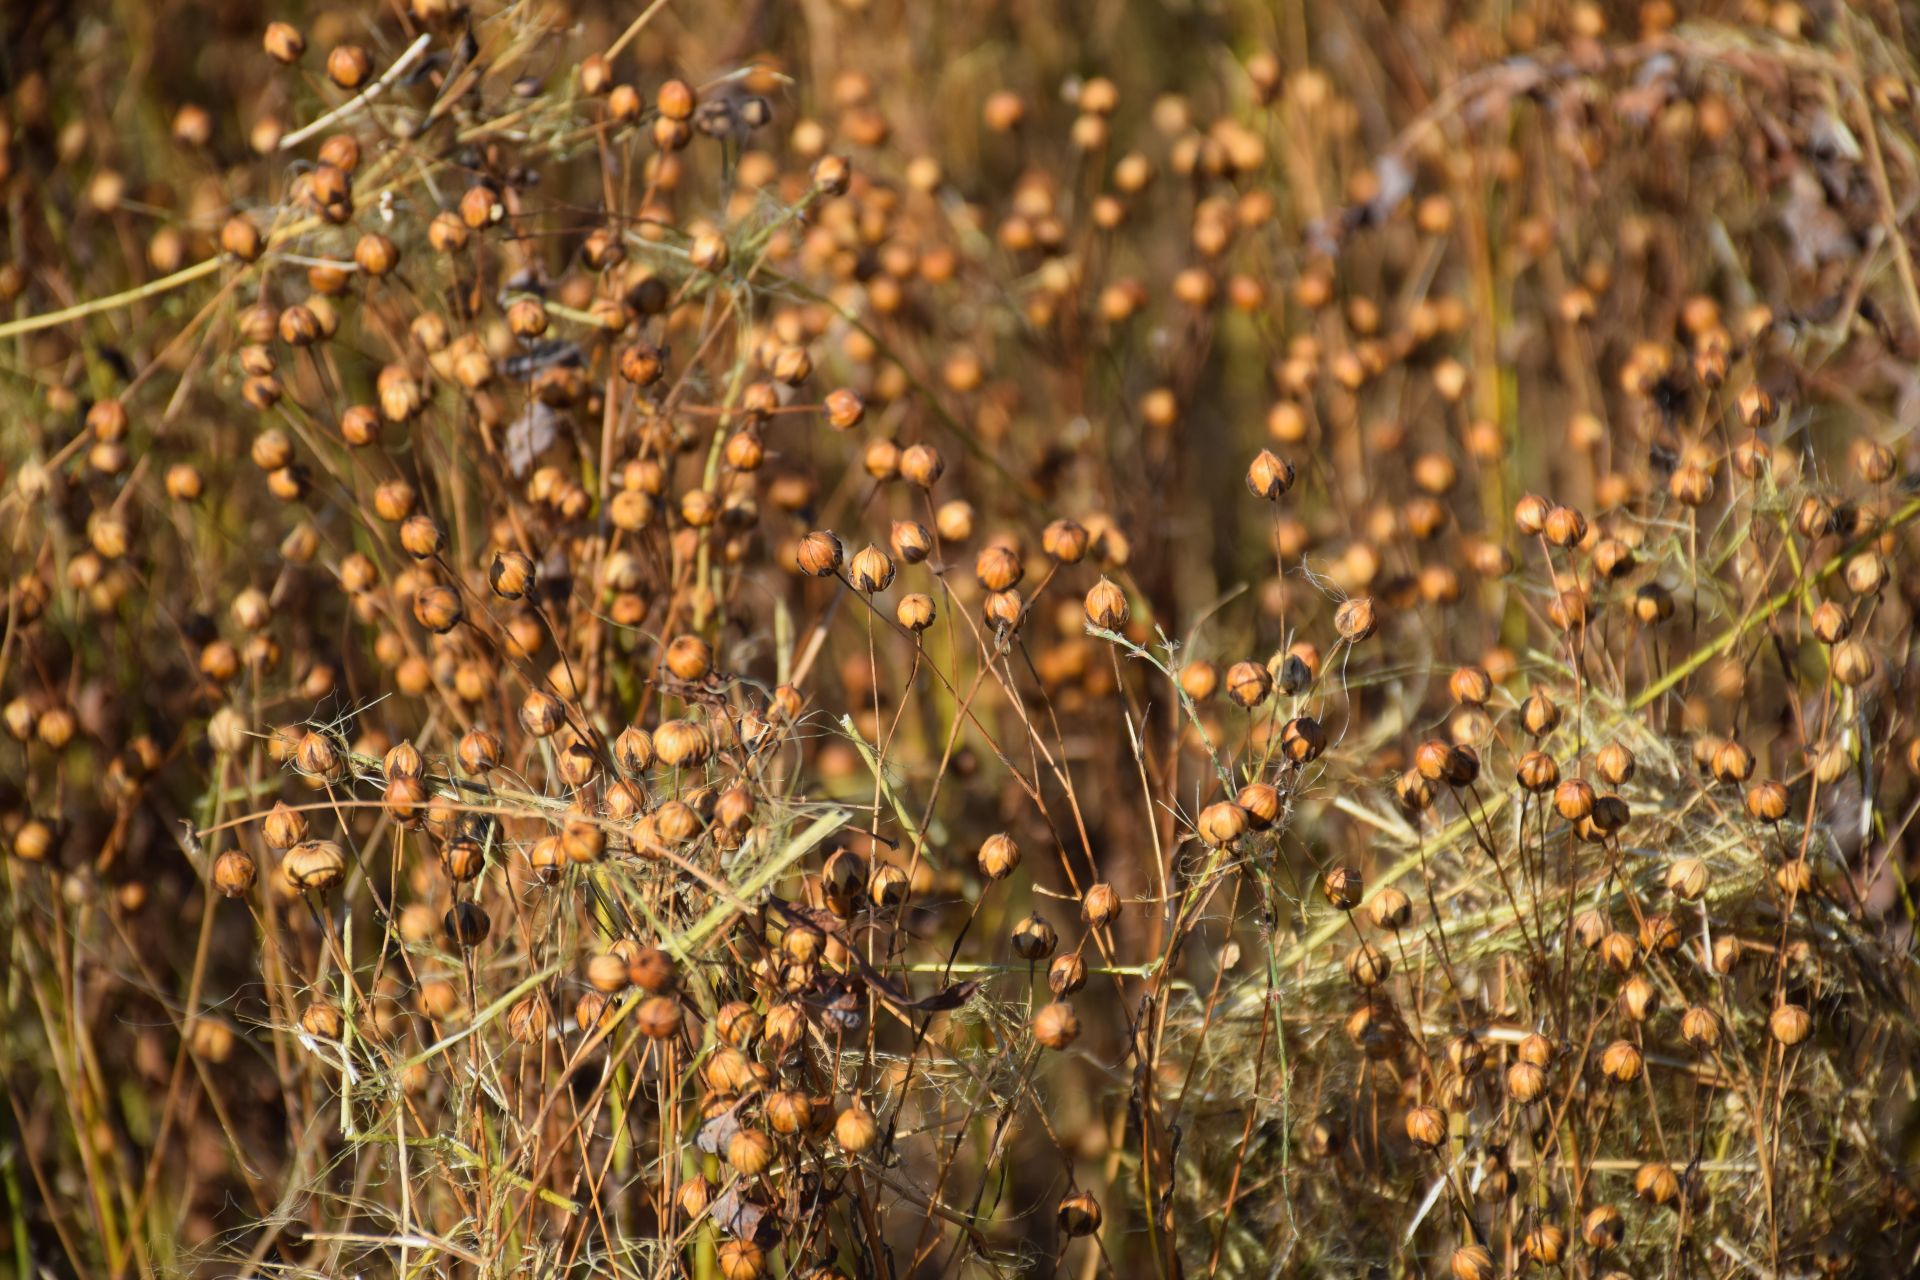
1830,623
1656,1183
1415,791
606,972
1356,619
1687,879
689,658
788,1112
915,611
1199,680
1639,998
1470,686
1617,952
1261,803
1343,887
1079,1214
1100,905
1425,1127
1794,877
1221,824
658,1017
1545,1245
998,856
1056,1026
464,858
314,866
1526,1082
1367,966
1537,772
1767,801
479,752
1731,763
888,885
1471,1262
737,1025
1066,974
855,1129
547,859
1574,799
1269,477
1249,684
1033,939
1851,663
1390,908
211,1039
1700,1028
1536,1049
802,943
870,571
349,65
682,744
1603,1228
234,870
844,409
1106,606
785,1027
750,1152
1659,933
542,714
479,207
405,799
283,42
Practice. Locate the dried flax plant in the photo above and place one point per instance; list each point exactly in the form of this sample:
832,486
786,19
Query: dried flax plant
863,639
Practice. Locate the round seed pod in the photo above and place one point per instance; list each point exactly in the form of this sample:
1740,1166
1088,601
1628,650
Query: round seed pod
1100,906
233,871
871,571
1545,1245
1527,1083
1790,1024
1106,606
740,1259
1614,763
1222,824
314,866
1066,541
1343,887
1537,772
1390,909
998,856
1700,1027
1574,799
1687,879
1656,1183
466,924
750,1152
1426,1127
1079,1214
1056,1026
1067,974
855,1129
1621,1063
1471,1262
1603,1228
1034,939
1367,966
658,1017
1262,804
283,43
